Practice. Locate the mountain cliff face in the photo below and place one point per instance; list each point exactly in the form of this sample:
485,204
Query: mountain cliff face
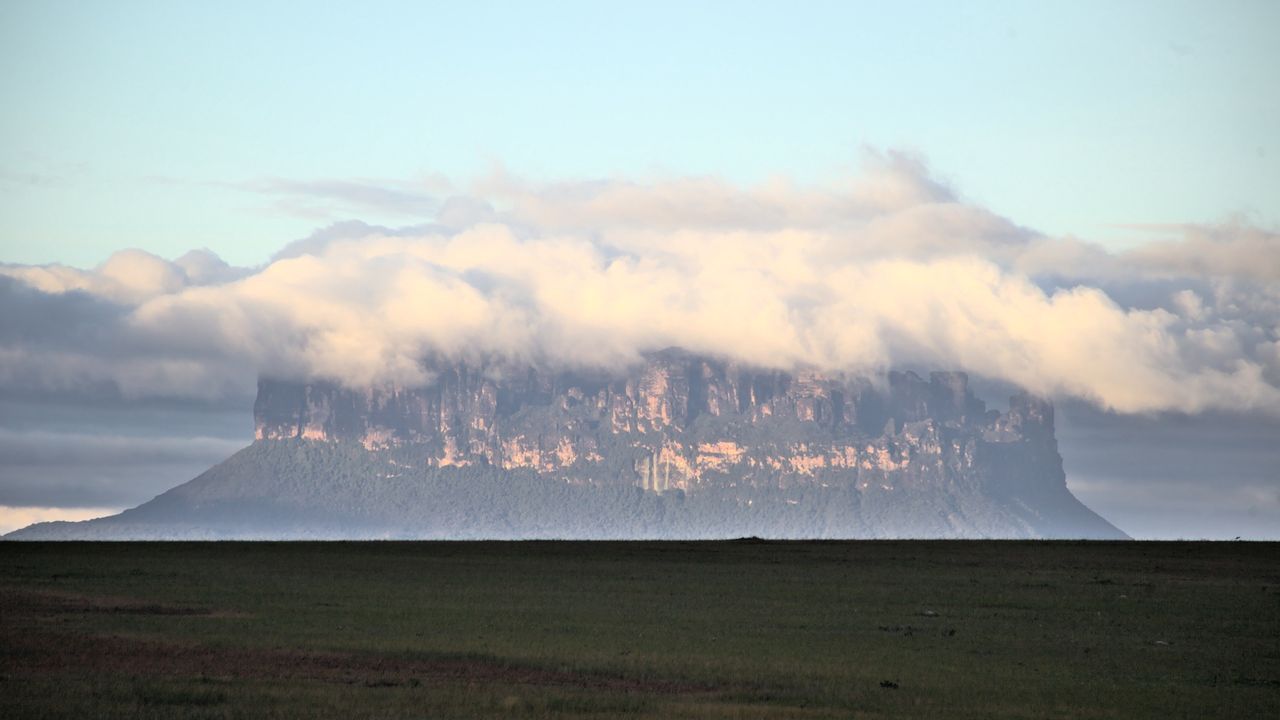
680,422
679,445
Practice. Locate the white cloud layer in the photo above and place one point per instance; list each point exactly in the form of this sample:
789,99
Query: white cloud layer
13,518
890,268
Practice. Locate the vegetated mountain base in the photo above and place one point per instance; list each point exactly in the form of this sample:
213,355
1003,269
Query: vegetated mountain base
680,446
661,630
307,490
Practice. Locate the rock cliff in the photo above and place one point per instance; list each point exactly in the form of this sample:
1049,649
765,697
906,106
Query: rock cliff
680,422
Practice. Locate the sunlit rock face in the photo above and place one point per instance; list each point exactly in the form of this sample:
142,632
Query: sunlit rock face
684,422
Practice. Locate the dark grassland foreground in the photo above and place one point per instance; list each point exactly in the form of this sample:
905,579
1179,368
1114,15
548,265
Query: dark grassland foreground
666,630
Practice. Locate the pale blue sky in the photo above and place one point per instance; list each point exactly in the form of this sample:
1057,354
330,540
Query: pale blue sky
148,124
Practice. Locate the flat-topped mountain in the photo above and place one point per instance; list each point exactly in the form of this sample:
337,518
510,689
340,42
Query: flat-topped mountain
679,445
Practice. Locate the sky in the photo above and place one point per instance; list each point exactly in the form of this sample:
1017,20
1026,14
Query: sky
1081,198
173,125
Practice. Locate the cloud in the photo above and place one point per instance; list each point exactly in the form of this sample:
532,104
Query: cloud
1231,250
51,468
891,182
13,518
326,198
129,276
888,268
1175,476
57,335
42,447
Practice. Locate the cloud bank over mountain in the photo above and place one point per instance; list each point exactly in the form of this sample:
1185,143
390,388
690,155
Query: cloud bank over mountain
891,267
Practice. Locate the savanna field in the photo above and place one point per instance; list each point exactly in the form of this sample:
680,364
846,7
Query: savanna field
741,629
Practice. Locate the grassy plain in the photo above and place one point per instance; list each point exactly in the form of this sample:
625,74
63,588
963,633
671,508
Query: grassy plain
742,629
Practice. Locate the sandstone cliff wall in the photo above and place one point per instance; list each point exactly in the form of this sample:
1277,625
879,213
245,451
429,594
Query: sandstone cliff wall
680,422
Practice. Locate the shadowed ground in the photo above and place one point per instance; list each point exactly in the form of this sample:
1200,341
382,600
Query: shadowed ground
725,629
